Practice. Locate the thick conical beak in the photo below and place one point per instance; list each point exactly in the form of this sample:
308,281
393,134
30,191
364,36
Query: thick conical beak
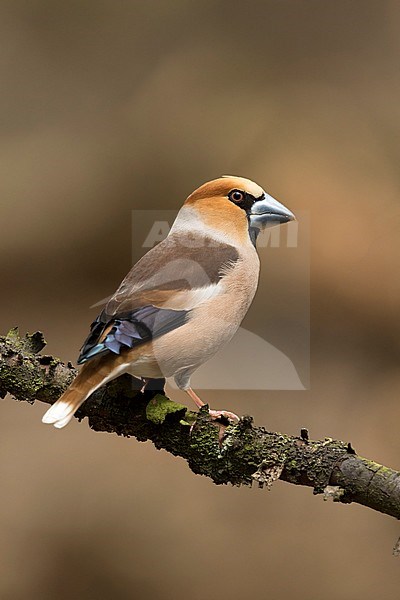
268,212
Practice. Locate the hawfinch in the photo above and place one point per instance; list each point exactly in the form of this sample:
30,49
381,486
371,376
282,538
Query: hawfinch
184,299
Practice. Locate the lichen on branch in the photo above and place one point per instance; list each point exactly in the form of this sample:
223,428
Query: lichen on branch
245,454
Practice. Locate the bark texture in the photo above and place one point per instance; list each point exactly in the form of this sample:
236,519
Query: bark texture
244,455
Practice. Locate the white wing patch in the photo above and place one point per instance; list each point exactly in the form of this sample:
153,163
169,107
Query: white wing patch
189,299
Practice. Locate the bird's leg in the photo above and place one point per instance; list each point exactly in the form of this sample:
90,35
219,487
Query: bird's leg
153,385
198,402
215,414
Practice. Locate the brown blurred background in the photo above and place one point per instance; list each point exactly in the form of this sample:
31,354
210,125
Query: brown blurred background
108,107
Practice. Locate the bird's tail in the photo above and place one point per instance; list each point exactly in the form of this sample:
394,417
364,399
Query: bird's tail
93,375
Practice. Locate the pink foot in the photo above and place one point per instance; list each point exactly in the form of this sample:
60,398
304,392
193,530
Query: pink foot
216,414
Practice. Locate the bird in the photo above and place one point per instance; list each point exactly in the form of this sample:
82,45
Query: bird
184,299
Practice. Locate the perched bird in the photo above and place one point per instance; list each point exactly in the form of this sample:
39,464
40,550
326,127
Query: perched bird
184,299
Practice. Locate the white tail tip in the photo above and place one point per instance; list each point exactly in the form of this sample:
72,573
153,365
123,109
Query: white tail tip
59,414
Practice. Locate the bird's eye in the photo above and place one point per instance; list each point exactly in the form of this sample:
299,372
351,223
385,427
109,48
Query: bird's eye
236,196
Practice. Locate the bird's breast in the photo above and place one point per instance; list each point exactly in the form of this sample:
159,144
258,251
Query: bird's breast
213,322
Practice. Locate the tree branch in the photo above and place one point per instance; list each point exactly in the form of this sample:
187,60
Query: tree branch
246,453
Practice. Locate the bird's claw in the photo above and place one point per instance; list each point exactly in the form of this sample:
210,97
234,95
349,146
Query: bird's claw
225,414
224,418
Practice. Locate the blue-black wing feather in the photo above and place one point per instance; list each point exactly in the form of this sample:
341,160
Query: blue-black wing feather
129,330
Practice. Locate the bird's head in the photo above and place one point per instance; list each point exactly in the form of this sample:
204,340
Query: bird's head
237,207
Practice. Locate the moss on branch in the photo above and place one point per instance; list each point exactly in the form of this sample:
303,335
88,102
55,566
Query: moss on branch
246,453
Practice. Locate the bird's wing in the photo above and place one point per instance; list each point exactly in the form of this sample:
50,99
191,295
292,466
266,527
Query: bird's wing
159,292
